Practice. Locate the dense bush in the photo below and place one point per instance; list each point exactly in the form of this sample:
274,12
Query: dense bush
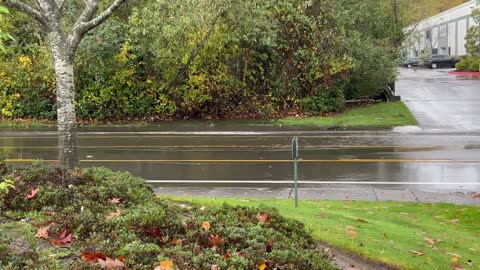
469,63
207,59
144,230
328,100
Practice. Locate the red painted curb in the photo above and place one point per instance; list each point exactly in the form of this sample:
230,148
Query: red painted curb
462,73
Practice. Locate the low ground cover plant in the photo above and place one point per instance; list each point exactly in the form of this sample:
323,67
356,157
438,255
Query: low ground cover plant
96,219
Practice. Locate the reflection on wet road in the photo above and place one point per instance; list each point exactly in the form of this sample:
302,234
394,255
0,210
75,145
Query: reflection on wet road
417,161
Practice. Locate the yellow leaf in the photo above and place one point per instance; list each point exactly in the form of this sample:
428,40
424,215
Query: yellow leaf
262,266
454,259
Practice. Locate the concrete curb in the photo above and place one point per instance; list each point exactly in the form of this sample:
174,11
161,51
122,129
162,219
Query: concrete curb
333,194
464,73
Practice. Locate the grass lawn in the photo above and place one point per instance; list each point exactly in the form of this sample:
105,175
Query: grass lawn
381,115
390,232
377,115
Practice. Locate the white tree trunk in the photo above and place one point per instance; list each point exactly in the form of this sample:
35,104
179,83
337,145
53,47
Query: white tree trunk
66,117
67,133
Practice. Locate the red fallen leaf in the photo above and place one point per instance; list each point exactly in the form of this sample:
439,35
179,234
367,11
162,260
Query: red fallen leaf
324,215
43,232
476,196
176,241
63,239
110,264
215,240
227,256
261,216
456,266
92,257
123,258
420,253
115,200
33,193
113,214
154,233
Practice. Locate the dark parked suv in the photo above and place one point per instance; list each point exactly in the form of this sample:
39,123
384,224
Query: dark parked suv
441,61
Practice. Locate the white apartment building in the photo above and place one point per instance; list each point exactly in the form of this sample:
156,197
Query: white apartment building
443,33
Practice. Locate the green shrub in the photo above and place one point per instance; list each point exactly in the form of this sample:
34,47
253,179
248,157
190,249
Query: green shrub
145,230
328,100
470,64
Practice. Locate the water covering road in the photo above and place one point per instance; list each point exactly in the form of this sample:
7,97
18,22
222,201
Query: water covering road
417,161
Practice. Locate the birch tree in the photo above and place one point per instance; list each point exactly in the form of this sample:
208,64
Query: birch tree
64,44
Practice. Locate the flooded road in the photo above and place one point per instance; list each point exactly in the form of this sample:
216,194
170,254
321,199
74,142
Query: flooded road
263,159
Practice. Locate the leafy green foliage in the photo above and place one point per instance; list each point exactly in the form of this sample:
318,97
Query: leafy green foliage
144,229
469,63
208,59
328,100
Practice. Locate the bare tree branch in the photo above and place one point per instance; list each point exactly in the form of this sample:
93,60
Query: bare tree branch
86,22
29,10
104,16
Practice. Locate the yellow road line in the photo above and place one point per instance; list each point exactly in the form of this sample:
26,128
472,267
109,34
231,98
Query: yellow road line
243,146
264,161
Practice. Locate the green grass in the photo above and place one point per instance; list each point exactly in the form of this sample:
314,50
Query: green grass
377,115
387,231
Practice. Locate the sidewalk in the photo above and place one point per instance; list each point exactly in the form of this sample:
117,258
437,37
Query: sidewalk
336,194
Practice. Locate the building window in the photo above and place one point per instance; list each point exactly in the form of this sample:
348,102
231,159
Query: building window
434,51
428,34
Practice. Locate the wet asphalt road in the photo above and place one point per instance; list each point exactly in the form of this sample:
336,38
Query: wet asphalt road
329,159
444,154
441,102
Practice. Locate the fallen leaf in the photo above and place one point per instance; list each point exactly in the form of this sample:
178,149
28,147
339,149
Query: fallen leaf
63,238
185,225
33,193
154,233
262,266
353,234
165,265
430,241
43,232
206,225
420,253
215,240
261,216
349,228
454,254
49,213
476,196
214,267
453,220
176,241
113,214
454,259
324,215
362,220
92,257
123,258
456,266
115,200
109,263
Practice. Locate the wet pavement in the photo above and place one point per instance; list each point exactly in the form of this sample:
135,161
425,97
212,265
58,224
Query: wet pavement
329,159
440,101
